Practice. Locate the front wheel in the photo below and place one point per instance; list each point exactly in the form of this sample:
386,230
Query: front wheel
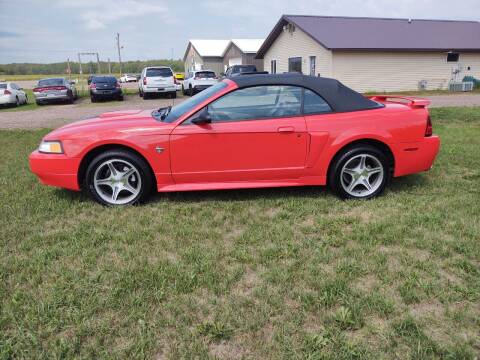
118,177
359,172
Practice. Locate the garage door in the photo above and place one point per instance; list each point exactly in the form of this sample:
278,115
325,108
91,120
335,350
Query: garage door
235,61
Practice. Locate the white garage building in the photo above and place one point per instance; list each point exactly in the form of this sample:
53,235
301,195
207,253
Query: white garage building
375,54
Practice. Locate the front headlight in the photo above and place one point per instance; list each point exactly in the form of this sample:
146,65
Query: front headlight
51,147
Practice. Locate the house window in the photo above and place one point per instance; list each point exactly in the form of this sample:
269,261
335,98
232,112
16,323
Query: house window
313,60
453,57
273,67
295,64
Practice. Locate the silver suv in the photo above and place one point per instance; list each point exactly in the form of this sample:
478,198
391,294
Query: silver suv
157,80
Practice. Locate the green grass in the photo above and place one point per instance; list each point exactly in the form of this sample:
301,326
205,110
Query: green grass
256,274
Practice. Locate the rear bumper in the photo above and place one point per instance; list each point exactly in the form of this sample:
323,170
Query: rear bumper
417,156
7,99
158,90
51,97
55,169
106,93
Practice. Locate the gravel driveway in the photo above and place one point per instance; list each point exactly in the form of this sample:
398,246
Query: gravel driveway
54,116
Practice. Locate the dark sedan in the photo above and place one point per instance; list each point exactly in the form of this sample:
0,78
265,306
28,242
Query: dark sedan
105,88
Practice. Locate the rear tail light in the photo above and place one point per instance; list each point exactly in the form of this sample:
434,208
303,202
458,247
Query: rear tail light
7,92
93,86
429,128
48,88
175,81
144,81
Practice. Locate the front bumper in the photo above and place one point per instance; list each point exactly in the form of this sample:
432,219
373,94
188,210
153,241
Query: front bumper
415,157
55,169
201,87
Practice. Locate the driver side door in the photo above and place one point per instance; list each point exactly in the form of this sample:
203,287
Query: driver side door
255,134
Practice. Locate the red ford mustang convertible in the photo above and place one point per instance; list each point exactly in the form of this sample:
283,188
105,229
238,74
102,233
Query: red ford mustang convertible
251,131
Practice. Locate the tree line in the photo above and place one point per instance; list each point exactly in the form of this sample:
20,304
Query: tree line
87,67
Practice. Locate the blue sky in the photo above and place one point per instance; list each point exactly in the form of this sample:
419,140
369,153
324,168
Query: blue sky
54,30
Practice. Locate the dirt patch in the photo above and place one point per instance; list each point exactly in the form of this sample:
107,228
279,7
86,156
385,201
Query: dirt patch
226,350
247,283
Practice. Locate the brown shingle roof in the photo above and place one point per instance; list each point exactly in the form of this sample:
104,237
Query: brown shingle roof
359,33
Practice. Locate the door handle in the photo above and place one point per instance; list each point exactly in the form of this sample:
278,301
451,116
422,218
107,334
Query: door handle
286,129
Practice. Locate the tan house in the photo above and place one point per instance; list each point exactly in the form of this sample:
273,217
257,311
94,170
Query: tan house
375,54
218,55
243,52
205,55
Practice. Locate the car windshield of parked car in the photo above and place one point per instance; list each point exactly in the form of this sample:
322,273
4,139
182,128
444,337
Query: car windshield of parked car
50,82
3,86
182,108
205,74
104,79
242,69
159,72
256,103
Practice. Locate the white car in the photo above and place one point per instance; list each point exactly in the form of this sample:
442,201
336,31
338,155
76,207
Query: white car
12,94
157,80
197,81
128,78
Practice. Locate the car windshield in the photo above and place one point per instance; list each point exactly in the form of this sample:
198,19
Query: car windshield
178,110
104,79
205,74
242,69
3,86
50,82
162,72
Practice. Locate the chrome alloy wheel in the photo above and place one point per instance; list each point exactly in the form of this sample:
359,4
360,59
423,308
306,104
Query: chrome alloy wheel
362,175
117,181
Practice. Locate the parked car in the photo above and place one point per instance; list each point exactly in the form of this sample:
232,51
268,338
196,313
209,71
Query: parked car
128,78
12,94
245,132
180,77
55,90
236,70
197,81
105,88
157,80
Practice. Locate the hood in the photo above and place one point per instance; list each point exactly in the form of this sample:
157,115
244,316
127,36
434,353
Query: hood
115,121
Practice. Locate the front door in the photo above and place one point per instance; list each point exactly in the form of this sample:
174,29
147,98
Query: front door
255,134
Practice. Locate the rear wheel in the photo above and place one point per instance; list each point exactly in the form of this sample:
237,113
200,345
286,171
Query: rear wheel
190,90
93,99
145,96
173,94
17,101
183,91
359,172
118,177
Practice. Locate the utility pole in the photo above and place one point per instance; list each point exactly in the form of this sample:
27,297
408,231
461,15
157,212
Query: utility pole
98,64
109,67
69,71
119,54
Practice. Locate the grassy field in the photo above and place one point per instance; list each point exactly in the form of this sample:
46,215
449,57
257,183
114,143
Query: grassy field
254,274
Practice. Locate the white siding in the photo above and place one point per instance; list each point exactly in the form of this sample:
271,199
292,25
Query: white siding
298,44
394,71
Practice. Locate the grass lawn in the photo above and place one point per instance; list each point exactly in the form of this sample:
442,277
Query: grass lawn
256,274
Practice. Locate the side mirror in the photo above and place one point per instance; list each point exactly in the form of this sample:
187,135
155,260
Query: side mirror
201,118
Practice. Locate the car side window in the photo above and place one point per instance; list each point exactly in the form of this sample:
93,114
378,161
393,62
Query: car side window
314,104
258,102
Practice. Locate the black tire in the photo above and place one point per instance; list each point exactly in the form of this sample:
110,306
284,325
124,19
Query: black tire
70,97
190,90
17,101
139,163
93,99
140,93
173,95
183,91
39,103
145,96
348,154
120,98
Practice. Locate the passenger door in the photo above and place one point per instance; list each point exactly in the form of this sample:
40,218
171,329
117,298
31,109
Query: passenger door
255,134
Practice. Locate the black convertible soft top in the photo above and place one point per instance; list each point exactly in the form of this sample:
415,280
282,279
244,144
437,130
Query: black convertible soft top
338,96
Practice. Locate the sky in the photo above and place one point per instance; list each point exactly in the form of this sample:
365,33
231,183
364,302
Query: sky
43,31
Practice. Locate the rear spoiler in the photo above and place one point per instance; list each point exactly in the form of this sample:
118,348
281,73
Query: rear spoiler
414,103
